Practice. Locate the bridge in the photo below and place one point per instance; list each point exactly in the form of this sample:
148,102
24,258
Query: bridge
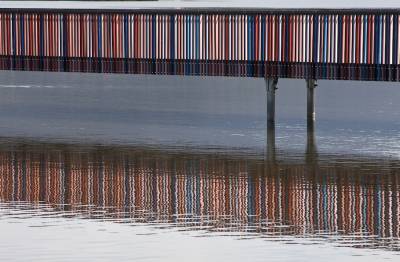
272,40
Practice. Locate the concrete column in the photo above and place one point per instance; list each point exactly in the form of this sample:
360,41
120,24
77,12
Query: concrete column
271,84
311,84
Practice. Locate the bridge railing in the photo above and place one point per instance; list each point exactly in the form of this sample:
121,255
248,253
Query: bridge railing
359,45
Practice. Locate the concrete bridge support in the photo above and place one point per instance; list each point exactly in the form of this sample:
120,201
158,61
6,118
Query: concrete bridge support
271,86
311,85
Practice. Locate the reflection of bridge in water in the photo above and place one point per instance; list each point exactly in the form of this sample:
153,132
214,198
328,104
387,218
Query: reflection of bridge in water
355,202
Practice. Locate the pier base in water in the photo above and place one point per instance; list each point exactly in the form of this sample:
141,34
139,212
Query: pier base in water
271,147
271,86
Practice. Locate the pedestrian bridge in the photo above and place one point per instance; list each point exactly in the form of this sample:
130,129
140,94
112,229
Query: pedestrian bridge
271,39
308,40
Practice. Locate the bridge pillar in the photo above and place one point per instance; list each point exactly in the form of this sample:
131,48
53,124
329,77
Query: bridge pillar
311,85
271,84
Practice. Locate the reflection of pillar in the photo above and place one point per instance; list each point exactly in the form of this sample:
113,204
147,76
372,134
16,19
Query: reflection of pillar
271,84
311,161
66,194
271,148
311,147
311,84
271,167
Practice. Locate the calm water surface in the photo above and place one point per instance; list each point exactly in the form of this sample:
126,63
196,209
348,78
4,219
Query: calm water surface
149,168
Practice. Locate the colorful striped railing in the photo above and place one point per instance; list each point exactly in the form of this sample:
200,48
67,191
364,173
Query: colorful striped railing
361,45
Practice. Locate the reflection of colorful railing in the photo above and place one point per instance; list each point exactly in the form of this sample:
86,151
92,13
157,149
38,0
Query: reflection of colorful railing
222,193
339,44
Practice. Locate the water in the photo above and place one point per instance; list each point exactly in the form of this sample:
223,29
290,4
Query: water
150,168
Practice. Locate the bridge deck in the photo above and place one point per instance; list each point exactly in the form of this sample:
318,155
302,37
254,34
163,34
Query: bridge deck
310,39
